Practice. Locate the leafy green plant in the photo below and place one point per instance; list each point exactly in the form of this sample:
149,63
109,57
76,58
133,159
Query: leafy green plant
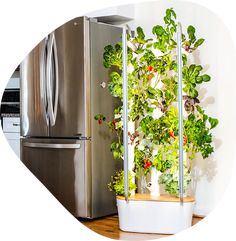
192,78
115,126
152,101
192,43
171,181
117,183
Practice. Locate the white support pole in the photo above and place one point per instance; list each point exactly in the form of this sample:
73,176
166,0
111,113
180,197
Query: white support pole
125,112
180,112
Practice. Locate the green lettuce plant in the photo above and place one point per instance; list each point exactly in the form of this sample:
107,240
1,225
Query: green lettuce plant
152,101
118,181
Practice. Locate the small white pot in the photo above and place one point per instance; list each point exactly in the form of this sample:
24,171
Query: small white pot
154,215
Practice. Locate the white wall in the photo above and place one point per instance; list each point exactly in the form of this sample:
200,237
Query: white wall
217,56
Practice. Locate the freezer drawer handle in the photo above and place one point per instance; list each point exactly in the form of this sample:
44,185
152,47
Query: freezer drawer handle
52,146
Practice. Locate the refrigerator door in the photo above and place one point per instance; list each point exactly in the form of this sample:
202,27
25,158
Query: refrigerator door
34,119
60,165
103,164
72,57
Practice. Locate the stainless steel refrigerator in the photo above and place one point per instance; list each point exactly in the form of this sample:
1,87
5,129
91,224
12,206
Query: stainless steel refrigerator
63,85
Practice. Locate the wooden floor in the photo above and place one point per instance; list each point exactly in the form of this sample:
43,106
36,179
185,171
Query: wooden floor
109,227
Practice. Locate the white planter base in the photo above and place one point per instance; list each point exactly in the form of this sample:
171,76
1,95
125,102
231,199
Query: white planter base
146,214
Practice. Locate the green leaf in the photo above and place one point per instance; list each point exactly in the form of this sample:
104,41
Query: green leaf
116,154
200,110
151,92
199,42
193,93
160,46
122,149
166,20
173,65
191,33
213,122
172,29
183,37
199,79
158,30
140,33
168,13
139,51
184,59
113,145
115,85
199,67
205,118
191,68
206,78
159,92
100,117
148,46
173,12
112,56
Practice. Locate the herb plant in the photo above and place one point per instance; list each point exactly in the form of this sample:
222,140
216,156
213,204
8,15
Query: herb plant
152,101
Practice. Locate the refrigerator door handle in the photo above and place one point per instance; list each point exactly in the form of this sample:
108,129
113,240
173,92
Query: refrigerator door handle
56,77
52,145
52,75
43,94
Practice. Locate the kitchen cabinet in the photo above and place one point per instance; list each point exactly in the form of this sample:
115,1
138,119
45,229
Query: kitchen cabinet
11,130
10,112
14,81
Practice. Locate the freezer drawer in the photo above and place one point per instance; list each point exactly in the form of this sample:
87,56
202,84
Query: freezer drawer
60,165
